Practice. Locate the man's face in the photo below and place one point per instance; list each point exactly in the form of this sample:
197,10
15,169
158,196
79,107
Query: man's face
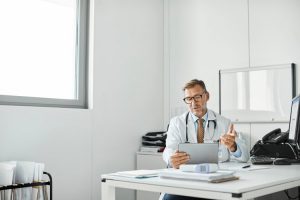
198,103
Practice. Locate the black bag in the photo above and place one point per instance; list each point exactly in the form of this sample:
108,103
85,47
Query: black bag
155,139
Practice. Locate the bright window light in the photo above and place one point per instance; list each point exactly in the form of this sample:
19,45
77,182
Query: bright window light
39,49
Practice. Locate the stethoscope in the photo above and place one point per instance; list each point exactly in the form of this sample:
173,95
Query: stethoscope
186,126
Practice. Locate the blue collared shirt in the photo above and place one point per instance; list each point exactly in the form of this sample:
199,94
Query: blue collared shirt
195,118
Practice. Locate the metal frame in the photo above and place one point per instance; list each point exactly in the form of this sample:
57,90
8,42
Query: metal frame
81,101
23,185
256,68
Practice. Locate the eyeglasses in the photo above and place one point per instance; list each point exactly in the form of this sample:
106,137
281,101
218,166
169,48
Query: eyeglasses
198,97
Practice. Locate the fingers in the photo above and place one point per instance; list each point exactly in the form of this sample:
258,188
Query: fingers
233,132
179,154
177,162
179,158
228,140
229,135
230,129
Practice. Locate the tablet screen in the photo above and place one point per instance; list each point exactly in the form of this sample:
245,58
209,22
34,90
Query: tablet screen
200,152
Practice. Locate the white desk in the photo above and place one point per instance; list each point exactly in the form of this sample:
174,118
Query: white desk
146,160
251,184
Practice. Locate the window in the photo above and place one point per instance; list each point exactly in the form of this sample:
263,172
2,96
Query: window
43,52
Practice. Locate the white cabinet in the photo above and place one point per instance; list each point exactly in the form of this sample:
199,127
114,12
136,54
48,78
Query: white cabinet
149,161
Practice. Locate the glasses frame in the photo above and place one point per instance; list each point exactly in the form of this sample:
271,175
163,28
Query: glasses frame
196,98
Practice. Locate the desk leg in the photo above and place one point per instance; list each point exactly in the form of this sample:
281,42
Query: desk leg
108,192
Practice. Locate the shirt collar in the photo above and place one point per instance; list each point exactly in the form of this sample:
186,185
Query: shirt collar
211,116
195,118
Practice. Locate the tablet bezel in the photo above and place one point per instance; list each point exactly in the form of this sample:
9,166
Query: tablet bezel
210,150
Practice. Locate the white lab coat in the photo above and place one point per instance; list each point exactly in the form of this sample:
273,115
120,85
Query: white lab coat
177,134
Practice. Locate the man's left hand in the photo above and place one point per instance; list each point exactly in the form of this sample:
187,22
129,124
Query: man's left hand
228,139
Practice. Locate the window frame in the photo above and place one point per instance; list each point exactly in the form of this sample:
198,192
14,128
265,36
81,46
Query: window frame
81,67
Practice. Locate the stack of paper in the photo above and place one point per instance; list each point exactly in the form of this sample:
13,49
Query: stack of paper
19,172
24,174
152,149
6,178
39,192
138,173
218,176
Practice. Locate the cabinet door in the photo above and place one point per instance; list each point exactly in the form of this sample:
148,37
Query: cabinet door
274,32
149,161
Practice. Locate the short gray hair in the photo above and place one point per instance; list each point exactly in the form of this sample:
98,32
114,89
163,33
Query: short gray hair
193,83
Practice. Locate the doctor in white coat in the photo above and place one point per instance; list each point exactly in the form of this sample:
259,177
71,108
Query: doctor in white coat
215,128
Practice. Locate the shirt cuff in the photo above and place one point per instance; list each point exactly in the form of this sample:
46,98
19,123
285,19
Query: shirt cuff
238,152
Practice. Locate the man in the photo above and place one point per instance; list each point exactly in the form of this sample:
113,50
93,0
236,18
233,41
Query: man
210,127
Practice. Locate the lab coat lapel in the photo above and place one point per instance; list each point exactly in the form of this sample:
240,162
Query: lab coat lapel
209,129
191,130
211,115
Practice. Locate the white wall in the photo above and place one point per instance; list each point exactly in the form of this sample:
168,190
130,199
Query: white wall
60,138
275,33
128,84
203,36
79,145
207,35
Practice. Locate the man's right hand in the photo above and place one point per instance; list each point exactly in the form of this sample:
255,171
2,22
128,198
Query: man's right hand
179,158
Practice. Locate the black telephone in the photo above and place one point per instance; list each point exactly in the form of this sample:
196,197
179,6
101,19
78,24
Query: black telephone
274,145
275,137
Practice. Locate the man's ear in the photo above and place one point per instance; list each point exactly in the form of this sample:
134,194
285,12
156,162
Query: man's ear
207,96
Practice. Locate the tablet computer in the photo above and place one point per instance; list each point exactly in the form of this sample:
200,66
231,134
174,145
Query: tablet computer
200,152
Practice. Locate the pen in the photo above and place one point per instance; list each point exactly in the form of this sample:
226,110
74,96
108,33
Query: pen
246,166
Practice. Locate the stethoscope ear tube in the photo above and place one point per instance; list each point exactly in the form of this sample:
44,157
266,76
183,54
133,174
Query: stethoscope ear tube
186,128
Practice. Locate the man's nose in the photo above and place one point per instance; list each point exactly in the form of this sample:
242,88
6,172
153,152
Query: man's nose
193,102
